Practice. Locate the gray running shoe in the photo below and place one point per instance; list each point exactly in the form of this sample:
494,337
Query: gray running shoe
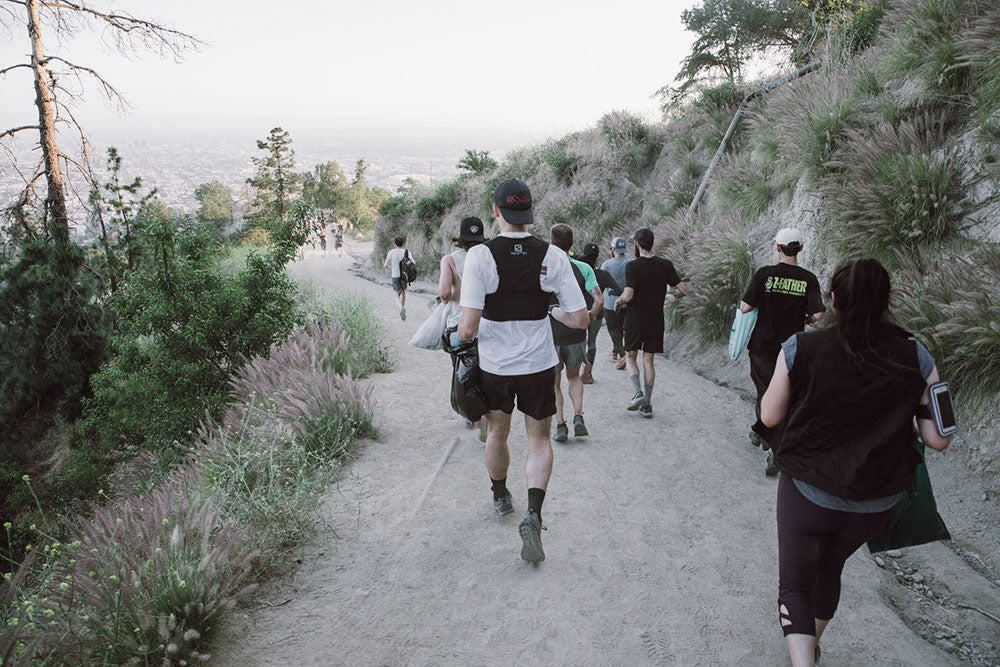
504,506
531,538
754,438
637,401
579,428
402,314
646,410
562,433
770,470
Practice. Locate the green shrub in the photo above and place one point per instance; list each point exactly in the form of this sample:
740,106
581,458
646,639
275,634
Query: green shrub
743,188
895,191
924,42
564,165
952,304
434,206
394,208
369,350
721,265
633,145
810,118
256,236
862,29
183,327
979,44
724,97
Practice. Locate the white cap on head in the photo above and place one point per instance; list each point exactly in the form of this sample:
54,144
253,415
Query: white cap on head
788,236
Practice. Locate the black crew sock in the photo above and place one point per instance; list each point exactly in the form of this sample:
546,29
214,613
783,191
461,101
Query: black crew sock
535,499
499,488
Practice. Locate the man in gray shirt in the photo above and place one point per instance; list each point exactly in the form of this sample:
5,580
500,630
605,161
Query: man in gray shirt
616,319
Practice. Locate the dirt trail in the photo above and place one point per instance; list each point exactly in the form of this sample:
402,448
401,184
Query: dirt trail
661,545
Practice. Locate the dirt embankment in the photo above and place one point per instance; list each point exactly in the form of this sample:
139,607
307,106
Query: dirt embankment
661,545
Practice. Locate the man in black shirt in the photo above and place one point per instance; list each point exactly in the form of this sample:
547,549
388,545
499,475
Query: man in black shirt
787,297
646,281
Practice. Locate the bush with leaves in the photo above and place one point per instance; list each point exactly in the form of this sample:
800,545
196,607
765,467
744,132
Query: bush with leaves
743,186
184,327
894,190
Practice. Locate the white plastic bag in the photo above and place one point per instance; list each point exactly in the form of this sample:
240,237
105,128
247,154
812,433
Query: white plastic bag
428,336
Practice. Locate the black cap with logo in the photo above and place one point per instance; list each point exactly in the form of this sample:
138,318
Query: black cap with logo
513,198
471,229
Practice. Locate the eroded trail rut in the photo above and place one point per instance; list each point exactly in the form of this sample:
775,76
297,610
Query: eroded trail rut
661,545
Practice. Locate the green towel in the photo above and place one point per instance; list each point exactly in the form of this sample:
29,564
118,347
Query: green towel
739,334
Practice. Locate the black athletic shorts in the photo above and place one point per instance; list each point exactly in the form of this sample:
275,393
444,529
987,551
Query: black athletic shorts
647,340
535,393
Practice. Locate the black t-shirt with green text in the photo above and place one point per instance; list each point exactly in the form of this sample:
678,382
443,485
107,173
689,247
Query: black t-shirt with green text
784,296
648,277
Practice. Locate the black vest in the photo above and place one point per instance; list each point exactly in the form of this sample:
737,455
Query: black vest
562,334
849,427
519,295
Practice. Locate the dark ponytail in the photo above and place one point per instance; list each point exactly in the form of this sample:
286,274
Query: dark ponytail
860,290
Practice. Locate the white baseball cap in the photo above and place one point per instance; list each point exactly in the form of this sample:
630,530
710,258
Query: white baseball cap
788,236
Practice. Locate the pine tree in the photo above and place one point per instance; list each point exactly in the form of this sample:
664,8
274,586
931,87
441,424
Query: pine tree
276,182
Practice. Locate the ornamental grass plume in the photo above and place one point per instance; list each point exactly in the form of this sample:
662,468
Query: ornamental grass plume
952,304
142,581
894,190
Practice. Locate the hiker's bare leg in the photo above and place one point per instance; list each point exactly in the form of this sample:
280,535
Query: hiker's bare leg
559,399
575,390
538,465
497,454
630,362
802,650
648,368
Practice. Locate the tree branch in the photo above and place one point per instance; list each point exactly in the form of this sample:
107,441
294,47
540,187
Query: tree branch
7,69
15,130
130,32
109,91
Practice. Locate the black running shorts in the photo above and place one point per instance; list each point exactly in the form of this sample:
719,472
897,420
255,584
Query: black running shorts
647,340
535,393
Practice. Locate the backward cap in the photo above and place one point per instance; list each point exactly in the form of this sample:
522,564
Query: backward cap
513,198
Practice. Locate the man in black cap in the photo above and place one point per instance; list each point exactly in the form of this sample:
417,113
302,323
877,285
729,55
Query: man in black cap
506,288
646,280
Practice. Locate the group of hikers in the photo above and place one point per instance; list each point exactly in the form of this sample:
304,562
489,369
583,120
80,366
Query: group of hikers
338,234
838,406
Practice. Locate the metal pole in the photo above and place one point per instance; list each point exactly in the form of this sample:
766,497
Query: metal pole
811,67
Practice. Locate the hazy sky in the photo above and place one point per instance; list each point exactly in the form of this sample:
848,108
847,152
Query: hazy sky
322,67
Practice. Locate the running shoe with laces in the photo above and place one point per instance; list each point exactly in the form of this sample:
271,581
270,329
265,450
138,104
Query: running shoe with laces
530,531
646,410
579,428
402,314
637,401
562,433
754,438
504,506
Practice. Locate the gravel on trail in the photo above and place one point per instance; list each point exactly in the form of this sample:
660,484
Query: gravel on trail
661,546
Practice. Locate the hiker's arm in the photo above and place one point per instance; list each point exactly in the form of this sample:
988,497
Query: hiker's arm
598,302
468,326
447,277
745,307
774,404
626,296
578,319
682,288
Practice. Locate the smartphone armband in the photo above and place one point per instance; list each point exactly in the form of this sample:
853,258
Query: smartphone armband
940,410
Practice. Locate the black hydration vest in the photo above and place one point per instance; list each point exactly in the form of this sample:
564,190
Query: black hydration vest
519,295
562,334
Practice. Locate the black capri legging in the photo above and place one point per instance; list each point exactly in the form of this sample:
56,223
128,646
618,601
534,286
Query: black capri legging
813,545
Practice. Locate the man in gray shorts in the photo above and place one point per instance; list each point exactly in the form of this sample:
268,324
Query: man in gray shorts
571,344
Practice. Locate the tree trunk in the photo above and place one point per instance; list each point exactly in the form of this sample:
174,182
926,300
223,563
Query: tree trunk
56,216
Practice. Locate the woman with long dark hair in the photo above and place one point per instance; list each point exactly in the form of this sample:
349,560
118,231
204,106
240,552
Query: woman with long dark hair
848,394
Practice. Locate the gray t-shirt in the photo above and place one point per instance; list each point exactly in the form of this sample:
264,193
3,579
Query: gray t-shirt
616,267
828,500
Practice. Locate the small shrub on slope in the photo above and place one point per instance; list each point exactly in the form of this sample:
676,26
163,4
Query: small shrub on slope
144,581
953,306
742,187
923,42
720,258
810,118
980,47
368,351
894,190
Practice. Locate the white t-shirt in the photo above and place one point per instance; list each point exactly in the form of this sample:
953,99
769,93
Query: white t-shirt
394,257
519,347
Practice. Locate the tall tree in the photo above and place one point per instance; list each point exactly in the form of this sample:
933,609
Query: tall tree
325,186
360,167
477,162
215,205
275,182
61,19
